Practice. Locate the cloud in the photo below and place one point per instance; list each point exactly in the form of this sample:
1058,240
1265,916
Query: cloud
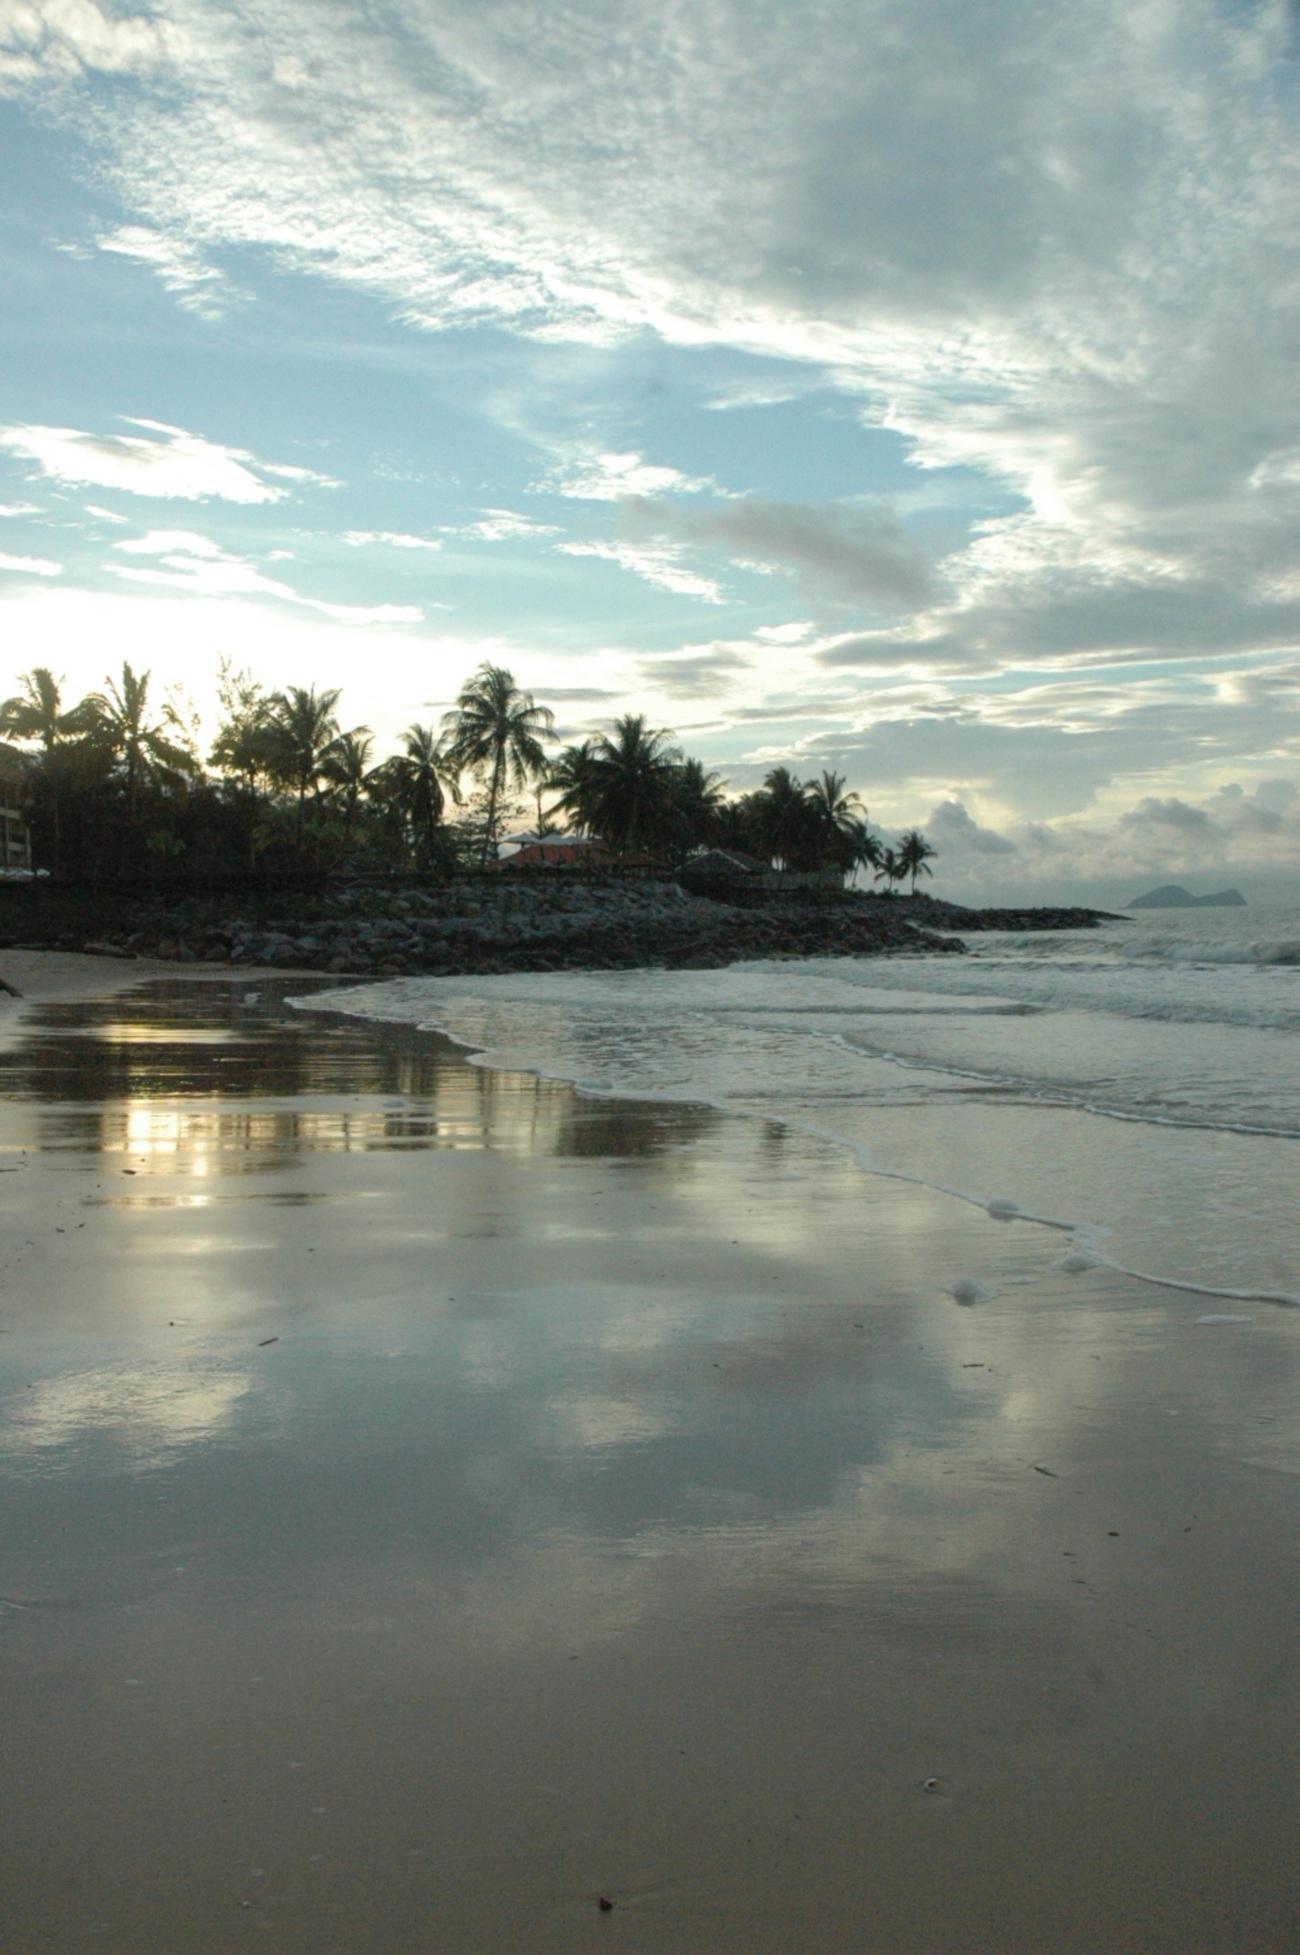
1019,240
19,509
44,41
395,539
696,674
954,830
1246,834
499,526
576,695
199,286
30,566
659,564
841,551
592,476
105,515
193,563
163,462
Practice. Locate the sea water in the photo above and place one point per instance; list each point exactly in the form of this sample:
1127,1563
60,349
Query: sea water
1134,1088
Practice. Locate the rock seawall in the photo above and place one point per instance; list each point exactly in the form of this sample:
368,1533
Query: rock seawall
520,927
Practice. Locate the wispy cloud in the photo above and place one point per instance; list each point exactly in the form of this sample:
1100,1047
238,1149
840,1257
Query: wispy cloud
61,40
593,476
186,561
658,564
163,461
19,509
500,526
358,539
30,566
198,285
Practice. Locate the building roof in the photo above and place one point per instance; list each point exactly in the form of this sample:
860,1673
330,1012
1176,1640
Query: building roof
723,862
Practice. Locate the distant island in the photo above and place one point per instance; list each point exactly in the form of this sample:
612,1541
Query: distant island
1172,896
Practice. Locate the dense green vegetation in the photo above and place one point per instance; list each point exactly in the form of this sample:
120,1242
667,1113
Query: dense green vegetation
118,792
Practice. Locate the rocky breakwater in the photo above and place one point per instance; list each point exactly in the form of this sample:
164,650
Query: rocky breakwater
935,914
485,928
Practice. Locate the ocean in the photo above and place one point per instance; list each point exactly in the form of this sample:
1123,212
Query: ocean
1134,1089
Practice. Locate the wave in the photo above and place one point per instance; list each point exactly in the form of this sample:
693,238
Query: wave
651,1041
1182,950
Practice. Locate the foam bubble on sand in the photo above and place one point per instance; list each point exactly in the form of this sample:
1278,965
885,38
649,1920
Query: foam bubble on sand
1077,1261
1225,1320
968,1289
1002,1210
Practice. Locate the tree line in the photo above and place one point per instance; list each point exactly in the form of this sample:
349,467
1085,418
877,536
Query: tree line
117,789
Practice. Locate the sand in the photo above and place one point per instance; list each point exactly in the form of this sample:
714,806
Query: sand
434,1502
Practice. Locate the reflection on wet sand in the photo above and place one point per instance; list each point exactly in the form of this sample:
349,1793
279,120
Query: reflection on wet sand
163,1089
546,1497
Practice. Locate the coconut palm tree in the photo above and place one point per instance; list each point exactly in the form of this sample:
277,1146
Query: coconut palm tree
38,714
783,818
569,776
496,731
698,800
840,821
419,780
304,732
889,870
915,855
634,770
121,722
345,769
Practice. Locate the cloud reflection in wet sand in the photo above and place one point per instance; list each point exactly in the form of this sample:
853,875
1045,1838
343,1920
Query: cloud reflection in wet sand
677,1400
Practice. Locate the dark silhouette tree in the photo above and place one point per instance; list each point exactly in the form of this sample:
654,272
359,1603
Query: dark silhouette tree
496,733
419,781
698,798
304,733
915,855
37,715
634,771
889,870
143,743
569,777
345,770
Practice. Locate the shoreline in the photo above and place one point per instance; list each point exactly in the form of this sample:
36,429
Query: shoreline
436,1500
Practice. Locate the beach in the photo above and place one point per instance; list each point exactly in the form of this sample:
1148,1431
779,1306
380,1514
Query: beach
675,1465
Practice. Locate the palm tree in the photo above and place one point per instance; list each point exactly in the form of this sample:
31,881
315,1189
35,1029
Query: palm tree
915,855
698,801
246,740
419,780
570,776
840,821
497,731
305,732
633,774
784,822
345,767
889,870
37,713
120,722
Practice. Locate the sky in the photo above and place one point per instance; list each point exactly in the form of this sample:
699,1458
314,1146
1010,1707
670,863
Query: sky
901,387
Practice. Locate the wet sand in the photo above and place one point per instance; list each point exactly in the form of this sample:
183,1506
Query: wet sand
434,1501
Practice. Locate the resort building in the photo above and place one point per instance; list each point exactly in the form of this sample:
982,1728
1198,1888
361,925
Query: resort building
15,841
